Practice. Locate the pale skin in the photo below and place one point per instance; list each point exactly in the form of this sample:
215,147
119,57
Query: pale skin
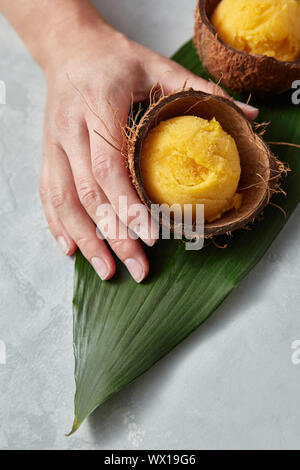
78,50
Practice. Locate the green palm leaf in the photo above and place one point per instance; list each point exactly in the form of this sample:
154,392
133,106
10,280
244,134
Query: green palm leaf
121,328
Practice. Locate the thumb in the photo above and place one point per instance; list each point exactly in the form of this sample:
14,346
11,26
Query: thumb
173,77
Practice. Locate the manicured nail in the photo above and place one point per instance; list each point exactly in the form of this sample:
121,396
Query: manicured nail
149,235
135,269
142,232
100,267
150,241
63,244
245,106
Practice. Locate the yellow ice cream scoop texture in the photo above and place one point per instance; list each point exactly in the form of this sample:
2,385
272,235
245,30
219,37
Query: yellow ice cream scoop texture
189,160
267,27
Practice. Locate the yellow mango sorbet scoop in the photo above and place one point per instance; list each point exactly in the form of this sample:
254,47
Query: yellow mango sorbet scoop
190,160
267,27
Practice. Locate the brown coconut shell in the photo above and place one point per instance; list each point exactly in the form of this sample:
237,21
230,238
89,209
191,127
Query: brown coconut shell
245,73
260,170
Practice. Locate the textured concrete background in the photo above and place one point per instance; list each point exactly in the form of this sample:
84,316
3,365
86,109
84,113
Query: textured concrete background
232,384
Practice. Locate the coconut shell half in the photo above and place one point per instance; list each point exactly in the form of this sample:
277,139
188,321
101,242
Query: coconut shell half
260,170
245,73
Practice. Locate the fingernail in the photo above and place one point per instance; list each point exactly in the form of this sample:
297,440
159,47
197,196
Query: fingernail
142,231
149,241
100,267
245,106
135,269
151,236
63,244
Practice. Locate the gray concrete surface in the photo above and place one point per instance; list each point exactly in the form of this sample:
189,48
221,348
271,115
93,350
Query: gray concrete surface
232,384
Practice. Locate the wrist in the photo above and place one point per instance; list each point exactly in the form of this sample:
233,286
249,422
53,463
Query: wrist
53,29
65,39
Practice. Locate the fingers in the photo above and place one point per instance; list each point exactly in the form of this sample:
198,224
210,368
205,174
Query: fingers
63,209
250,111
96,204
67,245
110,171
172,76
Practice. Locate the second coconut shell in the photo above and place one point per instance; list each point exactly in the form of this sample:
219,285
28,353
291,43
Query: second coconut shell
259,75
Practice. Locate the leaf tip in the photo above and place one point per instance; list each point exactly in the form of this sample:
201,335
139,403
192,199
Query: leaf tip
75,427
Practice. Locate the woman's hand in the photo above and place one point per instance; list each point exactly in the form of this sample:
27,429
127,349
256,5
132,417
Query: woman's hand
98,73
